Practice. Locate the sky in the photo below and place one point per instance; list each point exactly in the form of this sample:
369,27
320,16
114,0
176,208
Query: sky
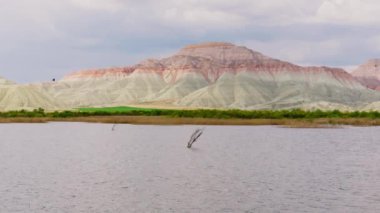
45,39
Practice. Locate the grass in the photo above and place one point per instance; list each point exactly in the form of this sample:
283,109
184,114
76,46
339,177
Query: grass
114,109
290,118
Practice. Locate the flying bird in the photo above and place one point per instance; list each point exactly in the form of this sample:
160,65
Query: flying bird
194,137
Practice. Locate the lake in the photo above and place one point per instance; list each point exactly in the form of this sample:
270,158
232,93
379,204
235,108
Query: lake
80,167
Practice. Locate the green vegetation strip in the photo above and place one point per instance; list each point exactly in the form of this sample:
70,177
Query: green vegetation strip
201,113
114,109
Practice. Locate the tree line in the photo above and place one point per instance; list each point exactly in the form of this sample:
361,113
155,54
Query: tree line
199,113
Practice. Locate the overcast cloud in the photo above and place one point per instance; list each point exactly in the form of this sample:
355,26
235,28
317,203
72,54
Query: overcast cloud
42,39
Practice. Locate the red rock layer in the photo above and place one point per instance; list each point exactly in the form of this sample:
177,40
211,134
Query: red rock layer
212,60
99,73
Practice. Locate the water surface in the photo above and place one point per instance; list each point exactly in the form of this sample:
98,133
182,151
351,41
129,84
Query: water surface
78,167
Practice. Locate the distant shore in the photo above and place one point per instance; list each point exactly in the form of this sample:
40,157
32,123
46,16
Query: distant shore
145,116
162,120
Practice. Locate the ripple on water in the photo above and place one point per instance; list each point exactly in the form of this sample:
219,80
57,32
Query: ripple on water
77,167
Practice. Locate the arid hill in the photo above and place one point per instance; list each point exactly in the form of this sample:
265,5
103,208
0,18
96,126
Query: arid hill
207,75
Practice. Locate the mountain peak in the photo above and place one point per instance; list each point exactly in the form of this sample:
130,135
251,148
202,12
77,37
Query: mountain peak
221,51
209,45
375,62
369,69
369,74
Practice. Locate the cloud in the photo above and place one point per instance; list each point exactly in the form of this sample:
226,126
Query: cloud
298,51
102,5
353,12
203,18
40,38
241,12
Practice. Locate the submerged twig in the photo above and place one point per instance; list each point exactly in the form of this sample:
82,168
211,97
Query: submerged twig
194,137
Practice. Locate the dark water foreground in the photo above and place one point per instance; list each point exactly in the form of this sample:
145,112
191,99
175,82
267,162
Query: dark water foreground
77,167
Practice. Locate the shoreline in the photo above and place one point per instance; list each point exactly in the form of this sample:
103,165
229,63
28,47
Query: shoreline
163,120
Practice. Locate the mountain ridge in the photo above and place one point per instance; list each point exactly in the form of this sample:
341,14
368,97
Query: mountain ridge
207,75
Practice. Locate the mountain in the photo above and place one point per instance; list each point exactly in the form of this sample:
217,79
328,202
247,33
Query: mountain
209,75
17,97
242,78
4,81
369,74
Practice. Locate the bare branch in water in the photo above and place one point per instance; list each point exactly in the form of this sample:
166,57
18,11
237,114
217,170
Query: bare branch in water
194,137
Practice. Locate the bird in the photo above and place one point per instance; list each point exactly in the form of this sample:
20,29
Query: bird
194,137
